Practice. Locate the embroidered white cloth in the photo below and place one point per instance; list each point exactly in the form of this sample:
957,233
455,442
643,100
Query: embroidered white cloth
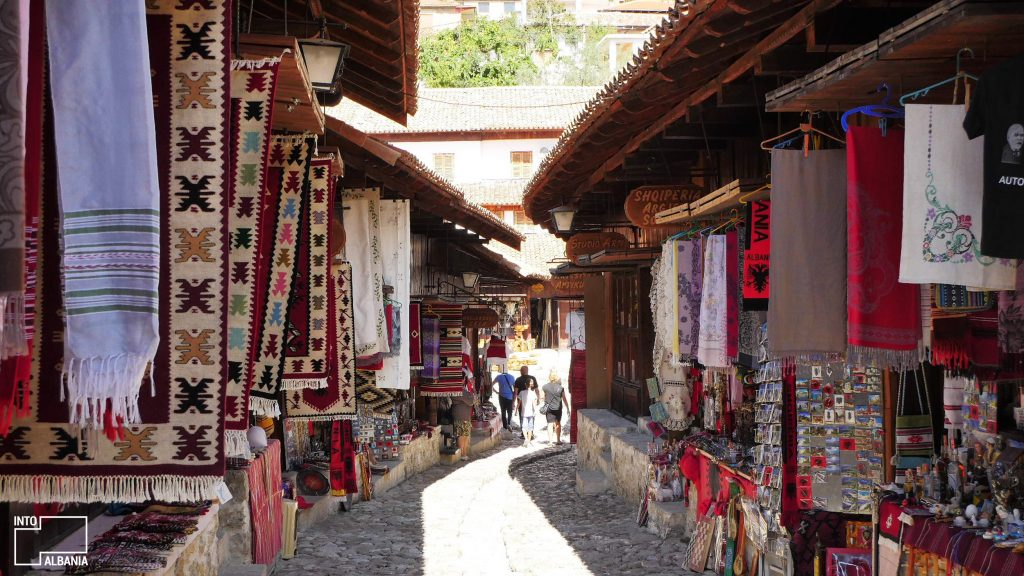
394,242
942,192
711,340
109,201
363,251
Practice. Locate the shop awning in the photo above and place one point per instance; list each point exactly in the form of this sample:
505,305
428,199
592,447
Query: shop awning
913,55
404,175
381,70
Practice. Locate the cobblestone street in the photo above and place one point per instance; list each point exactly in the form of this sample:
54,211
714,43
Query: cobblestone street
480,519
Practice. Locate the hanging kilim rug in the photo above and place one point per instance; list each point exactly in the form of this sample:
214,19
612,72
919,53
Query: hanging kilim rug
252,102
338,399
415,337
380,401
306,335
450,377
287,177
177,453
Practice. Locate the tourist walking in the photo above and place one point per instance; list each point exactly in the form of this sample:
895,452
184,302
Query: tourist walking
554,399
505,384
523,383
528,404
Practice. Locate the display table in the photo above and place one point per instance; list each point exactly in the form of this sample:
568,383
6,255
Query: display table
927,540
196,557
492,425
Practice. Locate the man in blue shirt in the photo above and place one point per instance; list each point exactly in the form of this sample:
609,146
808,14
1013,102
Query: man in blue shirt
506,397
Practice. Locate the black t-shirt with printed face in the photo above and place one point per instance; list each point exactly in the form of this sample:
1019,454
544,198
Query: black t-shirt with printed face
997,112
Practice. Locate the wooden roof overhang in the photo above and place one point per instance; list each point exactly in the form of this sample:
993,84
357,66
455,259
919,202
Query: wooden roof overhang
697,87
403,176
695,50
912,55
382,67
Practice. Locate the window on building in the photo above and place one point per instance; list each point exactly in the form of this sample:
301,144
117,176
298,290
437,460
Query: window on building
521,218
444,165
510,8
522,164
483,7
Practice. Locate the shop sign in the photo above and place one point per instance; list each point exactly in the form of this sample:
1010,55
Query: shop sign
479,317
593,242
645,202
561,287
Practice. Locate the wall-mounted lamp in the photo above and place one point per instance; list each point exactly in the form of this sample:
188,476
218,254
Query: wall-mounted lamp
325,62
469,279
563,217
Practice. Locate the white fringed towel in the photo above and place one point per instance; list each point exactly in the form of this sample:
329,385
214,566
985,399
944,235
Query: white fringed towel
363,251
109,202
712,348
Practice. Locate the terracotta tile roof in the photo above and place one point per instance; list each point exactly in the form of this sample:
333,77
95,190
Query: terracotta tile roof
495,192
483,109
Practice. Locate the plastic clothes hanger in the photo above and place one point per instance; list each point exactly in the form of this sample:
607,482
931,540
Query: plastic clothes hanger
882,111
745,199
806,129
960,75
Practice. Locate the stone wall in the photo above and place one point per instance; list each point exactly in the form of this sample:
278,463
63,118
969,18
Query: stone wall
629,466
613,446
235,532
201,557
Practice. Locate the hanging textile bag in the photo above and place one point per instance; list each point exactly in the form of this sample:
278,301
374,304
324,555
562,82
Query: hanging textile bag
914,435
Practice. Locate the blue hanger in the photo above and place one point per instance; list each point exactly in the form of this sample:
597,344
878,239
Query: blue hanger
956,78
881,111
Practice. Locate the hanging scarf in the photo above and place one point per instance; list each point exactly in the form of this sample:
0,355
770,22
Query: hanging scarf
884,315
1011,326
306,340
757,257
750,320
808,254
431,346
415,336
13,76
958,299
732,295
343,459
711,341
15,371
689,272
109,201
942,192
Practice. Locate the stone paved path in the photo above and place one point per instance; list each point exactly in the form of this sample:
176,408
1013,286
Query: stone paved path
477,519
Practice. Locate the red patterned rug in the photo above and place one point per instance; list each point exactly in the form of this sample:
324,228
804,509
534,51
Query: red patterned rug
450,378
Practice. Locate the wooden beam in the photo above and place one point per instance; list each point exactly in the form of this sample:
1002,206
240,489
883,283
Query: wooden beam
791,61
738,96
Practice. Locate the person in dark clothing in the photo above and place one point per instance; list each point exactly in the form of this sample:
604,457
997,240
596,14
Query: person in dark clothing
523,383
506,385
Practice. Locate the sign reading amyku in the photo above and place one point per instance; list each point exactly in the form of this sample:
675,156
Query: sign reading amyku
645,202
755,261
570,286
592,242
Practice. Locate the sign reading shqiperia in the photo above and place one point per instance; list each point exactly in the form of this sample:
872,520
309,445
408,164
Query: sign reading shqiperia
645,202
592,242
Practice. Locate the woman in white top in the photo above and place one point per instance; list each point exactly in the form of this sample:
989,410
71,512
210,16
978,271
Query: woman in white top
528,401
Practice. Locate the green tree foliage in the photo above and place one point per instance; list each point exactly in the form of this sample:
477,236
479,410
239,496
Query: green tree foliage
550,49
479,52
